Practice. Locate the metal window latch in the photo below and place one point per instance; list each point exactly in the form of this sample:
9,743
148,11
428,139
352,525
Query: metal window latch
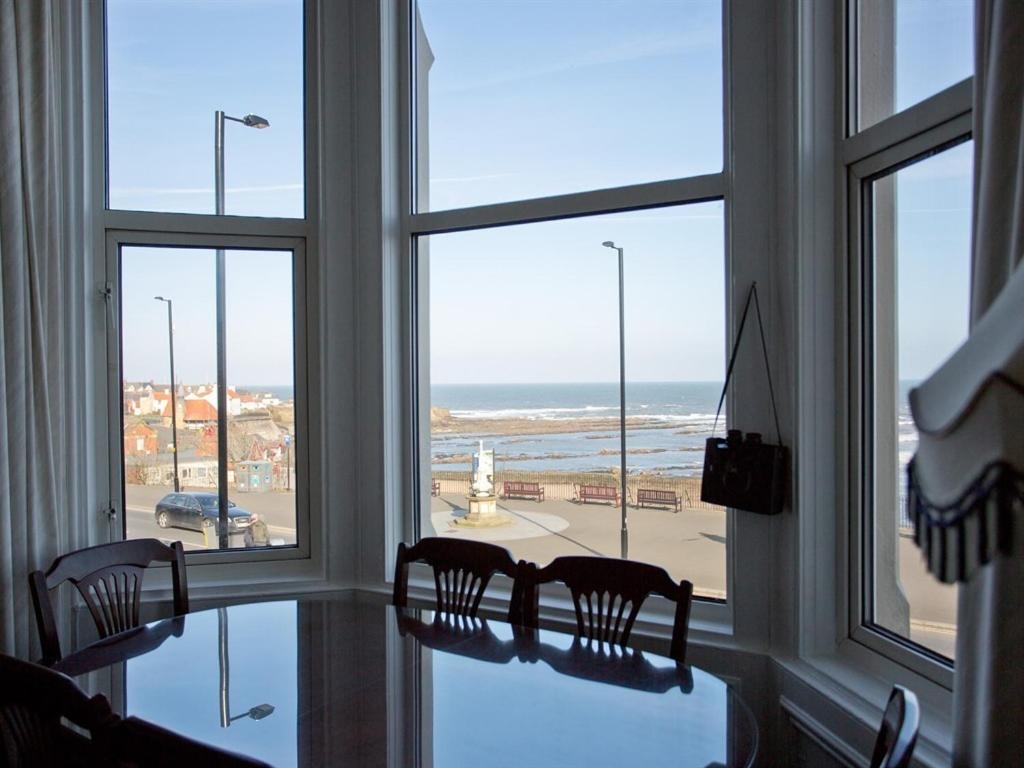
107,291
110,512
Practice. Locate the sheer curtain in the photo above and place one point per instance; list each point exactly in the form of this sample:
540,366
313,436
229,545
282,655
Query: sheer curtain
989,685
43,490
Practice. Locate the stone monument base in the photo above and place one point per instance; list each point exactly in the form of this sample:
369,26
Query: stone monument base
483,513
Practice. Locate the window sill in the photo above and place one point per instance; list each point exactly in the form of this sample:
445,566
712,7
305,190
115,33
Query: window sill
858,683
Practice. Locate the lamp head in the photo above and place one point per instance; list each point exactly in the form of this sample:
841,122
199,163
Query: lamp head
608,244
160,298
260,711
255,121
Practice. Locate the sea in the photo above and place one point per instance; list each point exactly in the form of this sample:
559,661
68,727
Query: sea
684,411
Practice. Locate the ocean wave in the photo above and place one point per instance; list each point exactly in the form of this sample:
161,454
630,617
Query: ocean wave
569,414
533,413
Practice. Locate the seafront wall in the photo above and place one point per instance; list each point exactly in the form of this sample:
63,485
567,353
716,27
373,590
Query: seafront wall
563,485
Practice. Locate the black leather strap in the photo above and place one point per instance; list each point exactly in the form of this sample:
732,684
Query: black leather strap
751,296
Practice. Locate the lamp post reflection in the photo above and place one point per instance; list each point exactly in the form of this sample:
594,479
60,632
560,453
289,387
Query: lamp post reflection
258,712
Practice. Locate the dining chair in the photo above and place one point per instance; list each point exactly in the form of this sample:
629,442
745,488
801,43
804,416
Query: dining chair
462,571
33,700
136,742
109,579
898,733
607,594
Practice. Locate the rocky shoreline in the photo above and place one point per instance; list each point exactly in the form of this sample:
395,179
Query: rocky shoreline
443,423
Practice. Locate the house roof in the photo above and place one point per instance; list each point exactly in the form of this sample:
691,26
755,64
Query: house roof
199,410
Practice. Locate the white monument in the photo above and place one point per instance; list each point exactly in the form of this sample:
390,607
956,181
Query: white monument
483,504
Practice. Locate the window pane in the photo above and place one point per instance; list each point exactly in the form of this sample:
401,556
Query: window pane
170,67
169,301
520,352
922,289
519,99
261,392
910,50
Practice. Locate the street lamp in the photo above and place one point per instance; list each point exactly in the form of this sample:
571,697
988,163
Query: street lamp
258,712
174,408
250,121
622,394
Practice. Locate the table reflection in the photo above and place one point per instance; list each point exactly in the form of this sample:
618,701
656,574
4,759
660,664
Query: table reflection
324,682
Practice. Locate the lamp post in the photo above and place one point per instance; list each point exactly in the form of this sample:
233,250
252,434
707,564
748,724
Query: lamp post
256,713
250,121
174,407
622,395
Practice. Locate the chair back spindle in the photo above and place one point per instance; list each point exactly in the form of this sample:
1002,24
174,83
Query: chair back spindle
109,579
607,596
462,570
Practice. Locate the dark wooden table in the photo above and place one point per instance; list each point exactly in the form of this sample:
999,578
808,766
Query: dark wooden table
353,682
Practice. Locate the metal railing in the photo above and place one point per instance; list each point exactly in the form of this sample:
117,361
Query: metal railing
564,485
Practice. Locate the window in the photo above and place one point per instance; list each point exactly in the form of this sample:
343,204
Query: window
169,323
171,68
909,50
909,221
521,99
517,325
205,116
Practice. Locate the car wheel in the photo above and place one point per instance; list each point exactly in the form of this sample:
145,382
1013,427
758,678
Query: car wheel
162,519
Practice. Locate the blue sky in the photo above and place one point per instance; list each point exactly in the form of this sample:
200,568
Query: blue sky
525,99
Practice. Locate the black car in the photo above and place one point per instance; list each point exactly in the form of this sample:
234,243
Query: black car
194,510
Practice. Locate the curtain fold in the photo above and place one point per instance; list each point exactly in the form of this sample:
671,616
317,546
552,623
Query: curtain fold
33,293
989,678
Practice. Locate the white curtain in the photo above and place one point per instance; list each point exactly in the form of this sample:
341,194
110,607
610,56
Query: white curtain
989,686
42,430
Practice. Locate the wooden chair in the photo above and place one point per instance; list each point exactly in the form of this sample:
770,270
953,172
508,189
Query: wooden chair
462,570
898,733
33,699
109,579
136,742
611,591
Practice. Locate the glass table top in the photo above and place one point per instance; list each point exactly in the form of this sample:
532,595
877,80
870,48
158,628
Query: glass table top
354,682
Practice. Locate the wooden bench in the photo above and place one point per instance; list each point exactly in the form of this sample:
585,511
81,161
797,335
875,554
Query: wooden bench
660,498
520,490
435,488
599,493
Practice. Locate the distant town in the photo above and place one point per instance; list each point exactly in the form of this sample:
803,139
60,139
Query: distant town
261,437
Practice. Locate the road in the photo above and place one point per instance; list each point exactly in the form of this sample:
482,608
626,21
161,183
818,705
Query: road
275,508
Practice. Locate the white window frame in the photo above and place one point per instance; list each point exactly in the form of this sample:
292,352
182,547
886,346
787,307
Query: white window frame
909,135
745,183
234,570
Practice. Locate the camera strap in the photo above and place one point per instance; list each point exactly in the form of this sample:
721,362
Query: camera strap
751,296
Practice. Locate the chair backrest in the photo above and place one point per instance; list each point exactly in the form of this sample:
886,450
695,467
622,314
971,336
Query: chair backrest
898,733
33,699
137,742
109,579
462,571
607,594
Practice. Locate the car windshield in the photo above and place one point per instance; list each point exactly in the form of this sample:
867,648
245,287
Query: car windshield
211,502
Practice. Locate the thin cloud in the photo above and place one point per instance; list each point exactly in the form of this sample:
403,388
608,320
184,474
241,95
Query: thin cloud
461,179
202,190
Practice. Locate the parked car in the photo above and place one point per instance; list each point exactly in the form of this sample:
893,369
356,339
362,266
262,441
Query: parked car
194,510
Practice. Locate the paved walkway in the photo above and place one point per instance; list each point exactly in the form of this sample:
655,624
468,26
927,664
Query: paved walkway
688,544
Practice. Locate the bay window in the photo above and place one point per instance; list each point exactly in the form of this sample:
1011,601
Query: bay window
539,135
